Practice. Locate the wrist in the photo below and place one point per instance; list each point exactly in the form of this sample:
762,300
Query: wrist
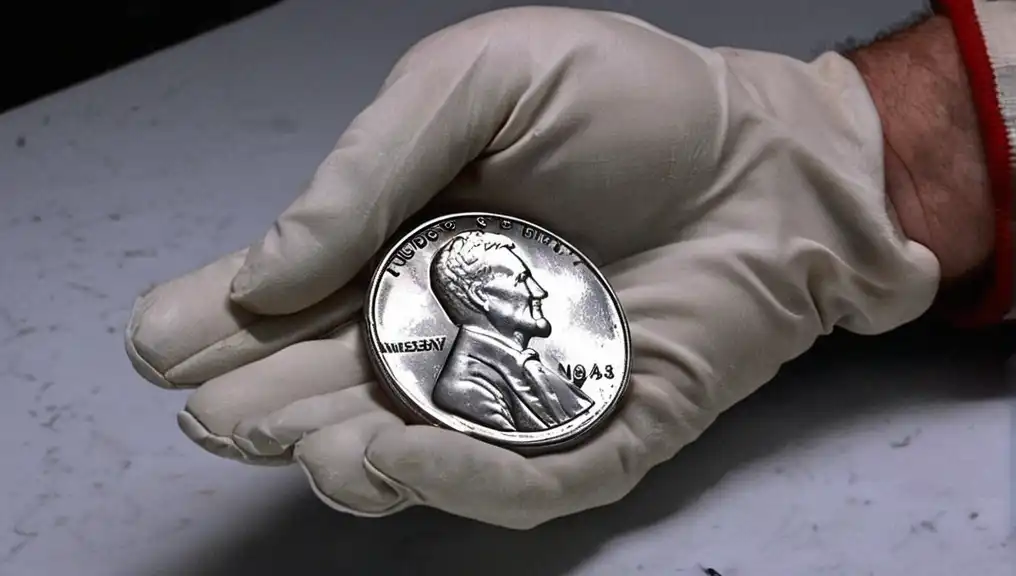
937,179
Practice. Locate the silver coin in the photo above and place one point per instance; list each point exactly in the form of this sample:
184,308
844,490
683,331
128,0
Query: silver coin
497,328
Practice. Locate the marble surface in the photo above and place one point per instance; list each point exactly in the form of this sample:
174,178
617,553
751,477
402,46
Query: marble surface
888,456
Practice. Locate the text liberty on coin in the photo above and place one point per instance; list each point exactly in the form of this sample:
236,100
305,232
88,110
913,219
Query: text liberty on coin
496,328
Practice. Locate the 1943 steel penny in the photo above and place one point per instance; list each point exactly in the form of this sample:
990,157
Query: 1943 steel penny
496,328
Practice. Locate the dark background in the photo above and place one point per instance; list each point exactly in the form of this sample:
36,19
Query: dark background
48,46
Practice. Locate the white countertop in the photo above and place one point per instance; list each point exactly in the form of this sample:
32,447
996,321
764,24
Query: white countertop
887,456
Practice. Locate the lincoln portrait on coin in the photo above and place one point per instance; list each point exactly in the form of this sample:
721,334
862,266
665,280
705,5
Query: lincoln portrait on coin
492,377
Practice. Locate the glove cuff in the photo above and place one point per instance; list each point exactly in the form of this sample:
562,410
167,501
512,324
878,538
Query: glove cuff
986,34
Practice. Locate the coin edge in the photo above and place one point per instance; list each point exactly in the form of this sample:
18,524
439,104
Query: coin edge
393,389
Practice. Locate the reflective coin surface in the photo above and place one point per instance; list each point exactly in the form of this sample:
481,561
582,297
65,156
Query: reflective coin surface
496,328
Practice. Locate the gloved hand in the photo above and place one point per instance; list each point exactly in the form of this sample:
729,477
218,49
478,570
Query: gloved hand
734,199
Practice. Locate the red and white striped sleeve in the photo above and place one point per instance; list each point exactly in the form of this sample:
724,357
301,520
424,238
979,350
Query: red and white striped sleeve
986,33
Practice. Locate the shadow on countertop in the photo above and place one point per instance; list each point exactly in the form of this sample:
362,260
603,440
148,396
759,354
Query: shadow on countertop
809,398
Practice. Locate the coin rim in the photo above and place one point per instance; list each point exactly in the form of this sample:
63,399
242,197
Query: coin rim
394,390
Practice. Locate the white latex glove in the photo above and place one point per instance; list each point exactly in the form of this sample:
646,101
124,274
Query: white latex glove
734,200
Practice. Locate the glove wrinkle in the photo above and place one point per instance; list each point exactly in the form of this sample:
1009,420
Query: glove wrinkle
402,496
335,456
279,431
222,446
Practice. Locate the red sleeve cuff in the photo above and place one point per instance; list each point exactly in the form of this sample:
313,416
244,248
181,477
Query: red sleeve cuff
997,299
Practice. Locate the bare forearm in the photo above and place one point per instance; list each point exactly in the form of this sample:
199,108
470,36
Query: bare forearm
936,174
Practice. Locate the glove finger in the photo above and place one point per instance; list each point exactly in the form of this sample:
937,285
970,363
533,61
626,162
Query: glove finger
304,370
333,460
277,433
439,108
187,331
469,478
